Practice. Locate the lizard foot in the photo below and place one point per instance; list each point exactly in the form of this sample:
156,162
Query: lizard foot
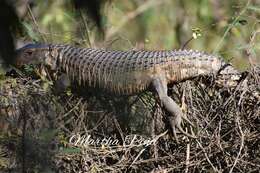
160,85
175,122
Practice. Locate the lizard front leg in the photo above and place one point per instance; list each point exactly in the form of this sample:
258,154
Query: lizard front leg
160,86
62,83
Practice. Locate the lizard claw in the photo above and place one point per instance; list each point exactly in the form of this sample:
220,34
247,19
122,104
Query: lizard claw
175,122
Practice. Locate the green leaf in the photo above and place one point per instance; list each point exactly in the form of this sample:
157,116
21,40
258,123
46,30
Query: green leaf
254,8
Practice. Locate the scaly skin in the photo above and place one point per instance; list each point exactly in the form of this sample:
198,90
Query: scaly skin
127,72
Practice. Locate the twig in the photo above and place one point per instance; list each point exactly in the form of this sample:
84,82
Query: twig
118,128
86,28
230,26
111,42
186,43
154,139
187,157
35,23
132,15
241,145
23,140
67,113
139,154
251,43
206,155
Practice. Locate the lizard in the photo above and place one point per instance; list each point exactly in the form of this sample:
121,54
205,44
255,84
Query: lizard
129,72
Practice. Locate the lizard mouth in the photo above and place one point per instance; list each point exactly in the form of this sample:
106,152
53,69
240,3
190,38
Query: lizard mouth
228,76
18,64
17,60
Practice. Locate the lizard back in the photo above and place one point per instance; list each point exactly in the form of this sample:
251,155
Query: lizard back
123,72
128,72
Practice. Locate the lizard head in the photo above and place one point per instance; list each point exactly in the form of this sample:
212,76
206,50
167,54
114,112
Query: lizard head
228,76
36,54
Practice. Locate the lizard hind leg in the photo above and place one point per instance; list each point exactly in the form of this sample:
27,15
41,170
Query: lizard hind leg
160,86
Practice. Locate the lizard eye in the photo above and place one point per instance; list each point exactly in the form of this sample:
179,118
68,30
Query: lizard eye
29,53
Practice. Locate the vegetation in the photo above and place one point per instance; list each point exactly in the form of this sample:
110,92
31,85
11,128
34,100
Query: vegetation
222,27
38,122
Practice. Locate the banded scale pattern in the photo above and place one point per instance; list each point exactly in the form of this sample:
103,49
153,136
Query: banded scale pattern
129,72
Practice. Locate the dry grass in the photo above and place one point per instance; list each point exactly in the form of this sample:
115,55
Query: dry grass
38,124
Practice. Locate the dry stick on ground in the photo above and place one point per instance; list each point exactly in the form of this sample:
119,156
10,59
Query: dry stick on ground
138,155
72,109
156,138
187,157
207,158
118,128
241,145
99,121
24,117
80,119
